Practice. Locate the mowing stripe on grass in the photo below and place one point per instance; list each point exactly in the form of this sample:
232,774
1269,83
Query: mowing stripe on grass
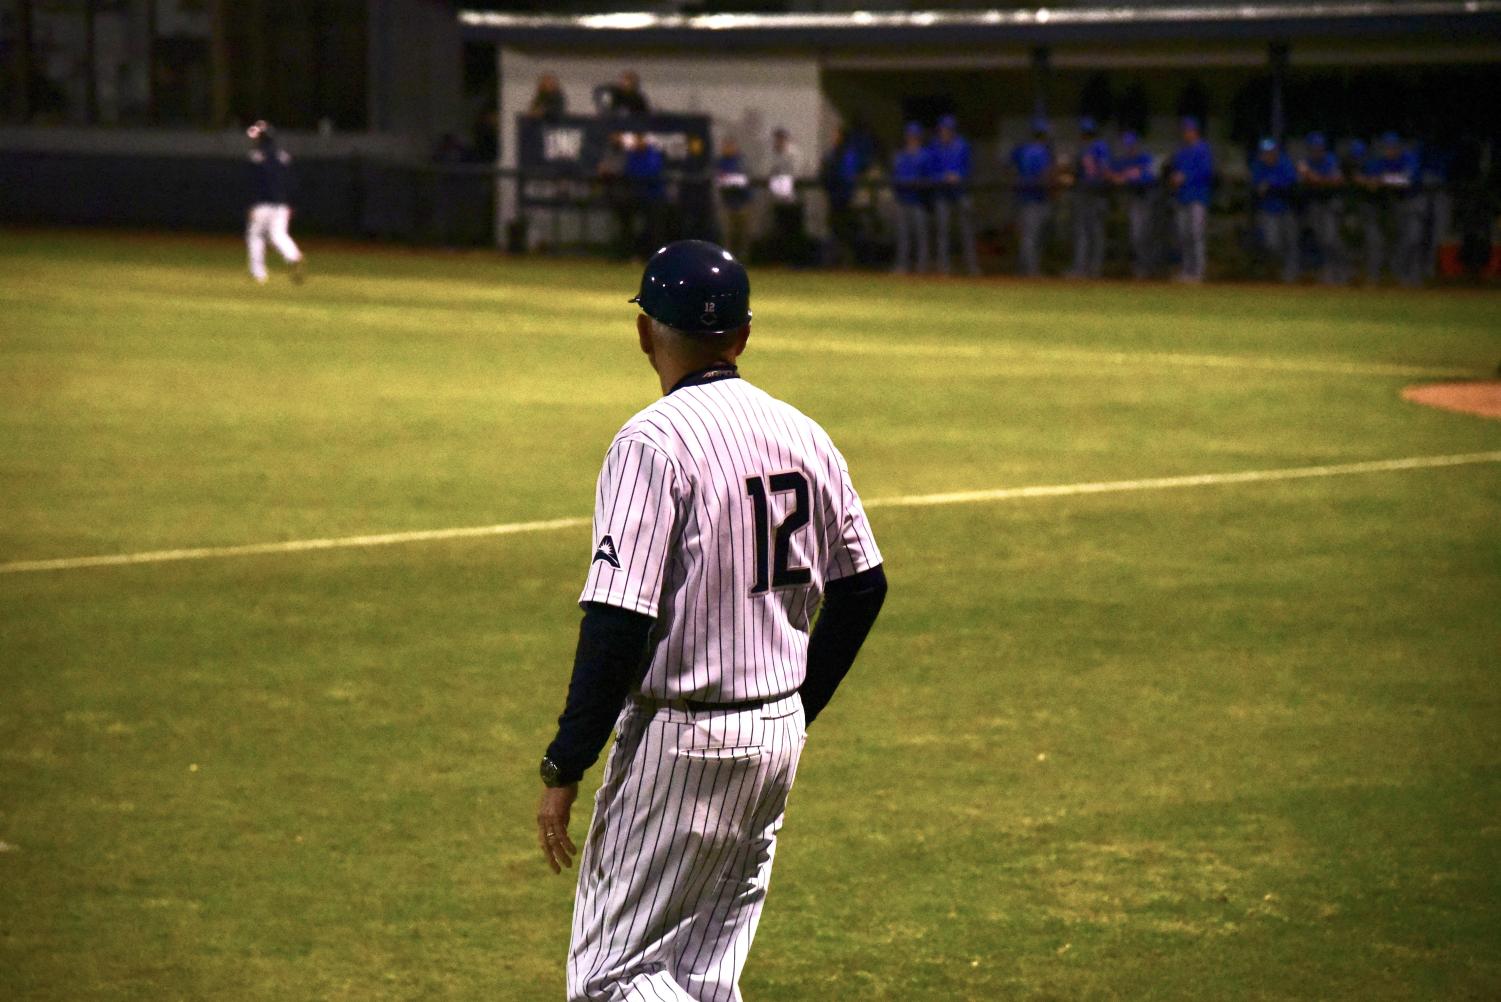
994,347
902,501
1008,350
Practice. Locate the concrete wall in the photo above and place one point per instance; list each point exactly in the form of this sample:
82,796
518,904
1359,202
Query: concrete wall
744,96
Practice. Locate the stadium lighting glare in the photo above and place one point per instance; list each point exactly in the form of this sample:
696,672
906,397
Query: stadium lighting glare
618,22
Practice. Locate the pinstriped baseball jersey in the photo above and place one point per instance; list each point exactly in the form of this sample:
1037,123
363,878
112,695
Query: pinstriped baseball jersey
721,512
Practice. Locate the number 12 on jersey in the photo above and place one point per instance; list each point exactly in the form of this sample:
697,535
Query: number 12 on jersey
774,547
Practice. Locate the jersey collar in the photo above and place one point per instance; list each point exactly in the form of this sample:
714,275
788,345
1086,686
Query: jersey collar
712,374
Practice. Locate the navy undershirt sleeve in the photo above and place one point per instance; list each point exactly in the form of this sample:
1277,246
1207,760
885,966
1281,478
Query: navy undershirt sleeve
850,607
608,662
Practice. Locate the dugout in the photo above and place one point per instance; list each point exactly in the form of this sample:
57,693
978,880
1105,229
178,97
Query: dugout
1350,69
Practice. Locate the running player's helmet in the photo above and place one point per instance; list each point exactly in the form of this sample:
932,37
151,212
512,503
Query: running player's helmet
695,287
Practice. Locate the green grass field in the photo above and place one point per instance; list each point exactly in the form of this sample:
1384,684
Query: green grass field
1220,742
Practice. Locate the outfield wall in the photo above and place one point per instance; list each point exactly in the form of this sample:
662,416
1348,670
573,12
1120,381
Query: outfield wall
356,184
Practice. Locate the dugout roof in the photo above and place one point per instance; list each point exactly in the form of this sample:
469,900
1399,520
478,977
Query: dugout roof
1452,20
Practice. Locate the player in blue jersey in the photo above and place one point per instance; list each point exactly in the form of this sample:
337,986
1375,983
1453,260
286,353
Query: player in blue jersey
1090,201
1322,180
912,183
1135,177
951,199
1191,175
1390,178
1274,183
1034,181
839,173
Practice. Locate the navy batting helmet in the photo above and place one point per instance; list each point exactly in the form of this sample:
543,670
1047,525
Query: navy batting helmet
695,287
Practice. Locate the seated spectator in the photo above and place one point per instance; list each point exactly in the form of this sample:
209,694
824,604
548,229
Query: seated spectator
624,97
549,102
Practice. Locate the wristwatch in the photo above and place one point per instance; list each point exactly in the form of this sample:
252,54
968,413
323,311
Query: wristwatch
550,771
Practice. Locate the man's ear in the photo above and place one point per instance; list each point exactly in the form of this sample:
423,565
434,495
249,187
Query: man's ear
737,346
643,333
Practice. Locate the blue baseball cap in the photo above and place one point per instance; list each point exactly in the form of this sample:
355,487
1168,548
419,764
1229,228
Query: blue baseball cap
1267,144
948,122
913,129
1317,140
1087,124
1128,138
1357,148
1040,124
1390,139
1190,122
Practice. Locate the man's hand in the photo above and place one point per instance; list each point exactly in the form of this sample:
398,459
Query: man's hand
552,825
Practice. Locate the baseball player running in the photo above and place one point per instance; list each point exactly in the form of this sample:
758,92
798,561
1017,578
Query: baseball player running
723,517
270,212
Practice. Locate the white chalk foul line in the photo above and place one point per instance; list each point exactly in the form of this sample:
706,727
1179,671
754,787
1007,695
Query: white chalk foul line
288,546
903,501
1196,480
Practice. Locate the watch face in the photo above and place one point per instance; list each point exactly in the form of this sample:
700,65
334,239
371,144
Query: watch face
549,772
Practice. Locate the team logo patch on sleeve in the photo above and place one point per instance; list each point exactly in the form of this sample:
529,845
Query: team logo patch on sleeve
606,551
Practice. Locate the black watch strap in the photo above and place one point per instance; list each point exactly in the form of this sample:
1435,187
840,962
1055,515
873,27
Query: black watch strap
552,773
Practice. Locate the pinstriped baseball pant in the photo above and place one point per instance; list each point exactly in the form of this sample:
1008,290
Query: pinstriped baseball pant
679,852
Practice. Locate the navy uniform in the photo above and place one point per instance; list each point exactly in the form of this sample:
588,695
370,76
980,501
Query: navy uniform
951,199
724,518
1090,202
912,182
1034,179
1322,180
1134,174
1274,182
270,214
